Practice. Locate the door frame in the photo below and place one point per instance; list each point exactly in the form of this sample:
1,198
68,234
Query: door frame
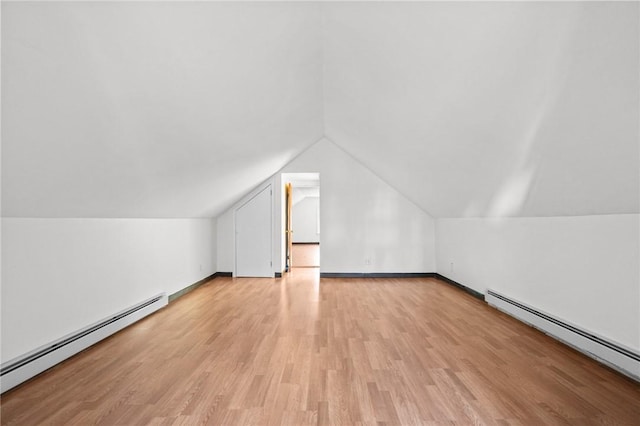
287,226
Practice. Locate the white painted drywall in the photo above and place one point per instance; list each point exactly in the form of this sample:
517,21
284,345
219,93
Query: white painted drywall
477,109
226,242
60,275
468,108
361,217
153,109
305,220
582,269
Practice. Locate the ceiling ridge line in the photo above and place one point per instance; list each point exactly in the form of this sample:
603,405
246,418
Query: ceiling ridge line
323,70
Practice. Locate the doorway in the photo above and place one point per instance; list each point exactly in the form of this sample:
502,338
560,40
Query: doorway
302,220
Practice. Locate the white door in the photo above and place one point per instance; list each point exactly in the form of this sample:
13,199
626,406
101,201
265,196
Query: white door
253,236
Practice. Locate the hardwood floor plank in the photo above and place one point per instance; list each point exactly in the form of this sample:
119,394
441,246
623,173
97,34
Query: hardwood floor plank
300,351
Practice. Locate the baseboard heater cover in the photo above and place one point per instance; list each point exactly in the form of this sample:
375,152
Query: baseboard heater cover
620,358
22,368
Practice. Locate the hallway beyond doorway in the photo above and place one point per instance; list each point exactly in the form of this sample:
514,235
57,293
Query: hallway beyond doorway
305,255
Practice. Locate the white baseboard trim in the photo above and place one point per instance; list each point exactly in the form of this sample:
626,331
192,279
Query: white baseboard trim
617,356
22,368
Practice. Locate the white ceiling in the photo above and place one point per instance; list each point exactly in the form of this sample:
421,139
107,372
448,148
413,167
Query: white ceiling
153,109
167,109
303,185
302,180
499,109
300,193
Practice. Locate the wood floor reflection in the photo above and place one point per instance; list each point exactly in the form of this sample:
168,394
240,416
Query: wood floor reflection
299,351
305,255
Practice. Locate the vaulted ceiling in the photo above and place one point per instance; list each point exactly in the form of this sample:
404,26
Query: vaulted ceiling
176,109
153,109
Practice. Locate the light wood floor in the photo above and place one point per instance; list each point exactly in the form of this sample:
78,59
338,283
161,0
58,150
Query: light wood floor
299,351
305,255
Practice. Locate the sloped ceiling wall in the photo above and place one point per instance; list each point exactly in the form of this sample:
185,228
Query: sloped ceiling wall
490,108
172,109
153,109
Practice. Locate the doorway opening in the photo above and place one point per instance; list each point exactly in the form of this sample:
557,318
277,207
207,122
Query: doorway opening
302,220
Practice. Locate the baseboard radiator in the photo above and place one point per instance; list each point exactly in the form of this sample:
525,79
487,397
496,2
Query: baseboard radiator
616,356
22,368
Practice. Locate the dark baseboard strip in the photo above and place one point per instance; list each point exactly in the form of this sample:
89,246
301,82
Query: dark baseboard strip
463,287
471,291
312,243
195,285
378,274
190,288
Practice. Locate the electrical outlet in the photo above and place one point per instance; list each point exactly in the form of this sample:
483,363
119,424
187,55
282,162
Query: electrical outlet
367,261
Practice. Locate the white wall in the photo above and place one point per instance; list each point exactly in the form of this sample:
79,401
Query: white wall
305,220
226,244
582,269
361,217
60,275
